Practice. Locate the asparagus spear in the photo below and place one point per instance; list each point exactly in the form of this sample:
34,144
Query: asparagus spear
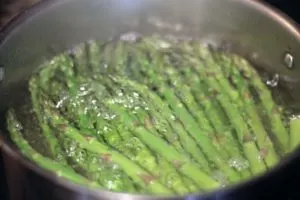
153,79
95,168
213,111
243,105
60,170
192,81
108,176
120,56
112,139
65,64
113,182
107,126
164,110
92,115
272,112
115,59
46,131
294,133
233,113
159,146
152,102
143,153
90,143
138,115
181,90
265,144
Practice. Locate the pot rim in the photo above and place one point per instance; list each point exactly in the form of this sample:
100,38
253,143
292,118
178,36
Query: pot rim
8,148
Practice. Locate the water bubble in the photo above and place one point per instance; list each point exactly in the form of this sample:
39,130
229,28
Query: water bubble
60,103
136,95
130,37
19,126
180,105
146,108
164,45
289,60
98,132
273,82
105,129
82,88
115,167
108,116
239,163
120,94
293,116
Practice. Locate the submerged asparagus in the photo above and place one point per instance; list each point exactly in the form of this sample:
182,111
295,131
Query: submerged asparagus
265,144
294,133
134,171
168,115
234,115
59,169
224,139
265,96
147,161
154,79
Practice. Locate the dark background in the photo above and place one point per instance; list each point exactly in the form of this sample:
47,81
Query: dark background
9,8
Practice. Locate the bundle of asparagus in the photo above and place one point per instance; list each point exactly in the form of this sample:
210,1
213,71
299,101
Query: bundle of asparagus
153,116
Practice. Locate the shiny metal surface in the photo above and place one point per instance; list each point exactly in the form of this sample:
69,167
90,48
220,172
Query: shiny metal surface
247,27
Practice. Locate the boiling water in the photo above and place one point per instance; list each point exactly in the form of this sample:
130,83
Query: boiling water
121,94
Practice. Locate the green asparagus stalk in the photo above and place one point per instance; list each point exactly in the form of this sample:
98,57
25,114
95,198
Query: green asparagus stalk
261,136
80,56
181,112
161,147
102,126
164,110
109,177
97,169
120,55
272,112
110,138
182,119
193,82
109,182
113,140
94,49
294,133
142,156
183,93
249,146
139,115
265,144
137,173
46,131
213,112
60,170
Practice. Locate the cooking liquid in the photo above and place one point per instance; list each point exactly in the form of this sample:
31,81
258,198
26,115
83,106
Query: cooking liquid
163,105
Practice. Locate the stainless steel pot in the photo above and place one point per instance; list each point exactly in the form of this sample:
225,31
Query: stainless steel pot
264,36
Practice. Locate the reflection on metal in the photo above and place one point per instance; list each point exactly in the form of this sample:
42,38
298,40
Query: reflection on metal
289,60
